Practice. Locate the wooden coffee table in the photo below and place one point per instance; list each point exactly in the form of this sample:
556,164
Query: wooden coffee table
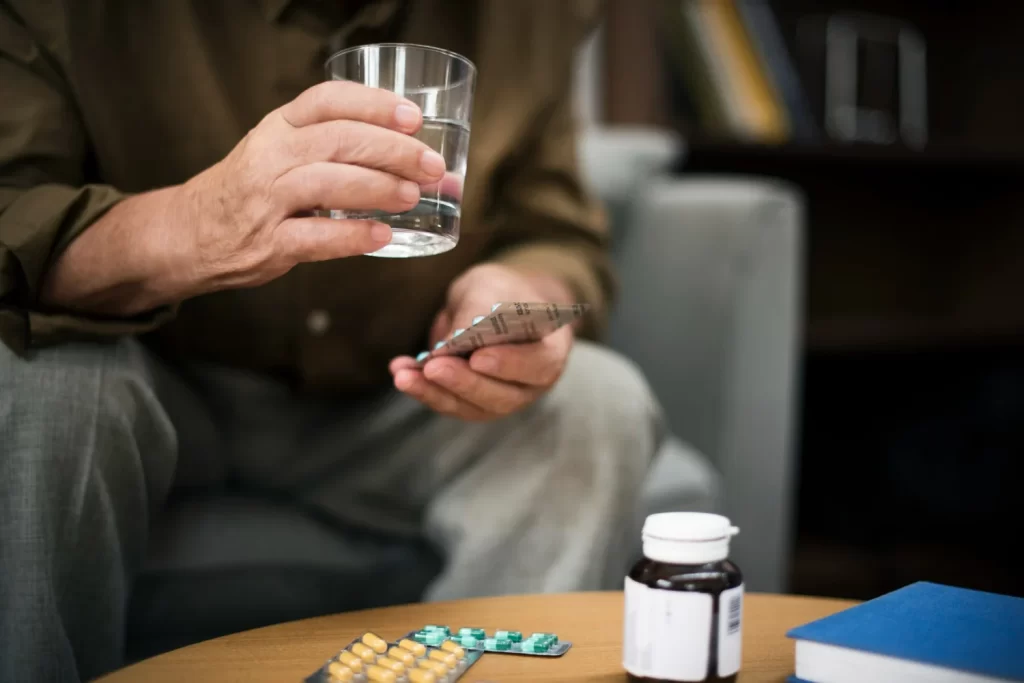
287,653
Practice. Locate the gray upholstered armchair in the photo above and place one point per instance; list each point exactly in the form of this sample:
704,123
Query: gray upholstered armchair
710,310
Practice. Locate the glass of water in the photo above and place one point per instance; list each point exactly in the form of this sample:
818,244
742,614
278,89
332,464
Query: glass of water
441,83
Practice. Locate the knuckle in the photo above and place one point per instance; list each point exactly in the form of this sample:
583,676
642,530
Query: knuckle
403,153
296,145
366,103
380,186
316,187
345,144
321,95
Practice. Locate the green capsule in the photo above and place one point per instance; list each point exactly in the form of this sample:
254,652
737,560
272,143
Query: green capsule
514,636
468,641
531,645
435,638
420,636
549,638
477,633
498,644
431,627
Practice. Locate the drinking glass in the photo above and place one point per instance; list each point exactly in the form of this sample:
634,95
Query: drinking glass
441,83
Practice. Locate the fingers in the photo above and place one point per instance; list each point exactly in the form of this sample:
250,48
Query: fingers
413,383
491,396
538,364
450,186
307,239
327,186
335,100
363,144
402,363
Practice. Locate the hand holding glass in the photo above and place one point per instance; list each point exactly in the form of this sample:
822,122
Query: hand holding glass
441,83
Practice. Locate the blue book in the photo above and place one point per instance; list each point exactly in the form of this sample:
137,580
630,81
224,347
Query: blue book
923,632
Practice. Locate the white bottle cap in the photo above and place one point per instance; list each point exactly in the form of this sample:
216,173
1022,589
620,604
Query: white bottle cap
687,537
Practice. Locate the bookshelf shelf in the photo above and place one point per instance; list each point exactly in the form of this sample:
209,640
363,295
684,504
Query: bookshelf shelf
942,158
911,334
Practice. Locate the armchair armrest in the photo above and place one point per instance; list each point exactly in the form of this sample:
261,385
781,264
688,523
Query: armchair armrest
710,310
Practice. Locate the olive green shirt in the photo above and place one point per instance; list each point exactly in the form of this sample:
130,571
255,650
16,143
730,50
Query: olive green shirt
103,98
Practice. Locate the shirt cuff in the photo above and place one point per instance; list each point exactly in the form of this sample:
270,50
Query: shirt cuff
21,330
584,270
35,227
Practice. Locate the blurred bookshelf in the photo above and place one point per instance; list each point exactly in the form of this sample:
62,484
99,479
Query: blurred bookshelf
912,396
913,245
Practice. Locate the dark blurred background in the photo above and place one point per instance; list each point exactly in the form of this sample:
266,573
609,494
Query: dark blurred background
900,120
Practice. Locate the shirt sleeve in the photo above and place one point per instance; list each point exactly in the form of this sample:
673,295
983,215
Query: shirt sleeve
547,221
45,201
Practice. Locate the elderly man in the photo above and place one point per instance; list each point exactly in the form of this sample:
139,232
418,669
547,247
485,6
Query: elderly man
174,315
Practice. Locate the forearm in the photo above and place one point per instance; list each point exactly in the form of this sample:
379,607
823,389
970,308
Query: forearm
131,260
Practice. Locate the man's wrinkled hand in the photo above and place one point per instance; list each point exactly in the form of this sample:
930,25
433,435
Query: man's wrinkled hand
495,381
338,145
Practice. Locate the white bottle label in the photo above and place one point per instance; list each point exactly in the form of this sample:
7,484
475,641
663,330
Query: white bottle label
730,630
667,633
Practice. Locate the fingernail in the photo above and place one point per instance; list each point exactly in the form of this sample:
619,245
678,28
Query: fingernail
432,163
408,191
381,233
407,115
459,331
421,356
478,319
485,363
439,345
495,306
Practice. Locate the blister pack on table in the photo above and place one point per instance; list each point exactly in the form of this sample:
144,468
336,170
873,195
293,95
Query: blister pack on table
371,659
507,323
500,642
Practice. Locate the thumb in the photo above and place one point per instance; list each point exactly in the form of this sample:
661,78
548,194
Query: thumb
314,238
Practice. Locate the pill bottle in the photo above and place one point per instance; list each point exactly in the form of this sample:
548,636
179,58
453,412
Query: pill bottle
684,602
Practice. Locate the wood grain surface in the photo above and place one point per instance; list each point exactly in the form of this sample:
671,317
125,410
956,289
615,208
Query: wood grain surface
287,653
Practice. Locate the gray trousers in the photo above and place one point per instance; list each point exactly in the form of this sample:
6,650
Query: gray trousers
94,437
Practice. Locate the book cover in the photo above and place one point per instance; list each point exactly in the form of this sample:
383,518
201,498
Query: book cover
692,68
769,115
730,107
940,626
770,45
726,68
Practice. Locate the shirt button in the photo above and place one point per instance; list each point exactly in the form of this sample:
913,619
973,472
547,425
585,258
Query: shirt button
318,322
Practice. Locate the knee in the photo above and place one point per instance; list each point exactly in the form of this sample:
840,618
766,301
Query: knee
611,394
59,403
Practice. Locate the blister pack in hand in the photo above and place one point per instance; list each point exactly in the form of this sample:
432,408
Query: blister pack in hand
507,323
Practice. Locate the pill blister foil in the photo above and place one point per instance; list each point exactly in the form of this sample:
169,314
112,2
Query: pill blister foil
508,323
556,650
322,675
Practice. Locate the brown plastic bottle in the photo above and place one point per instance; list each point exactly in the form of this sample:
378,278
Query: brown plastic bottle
684,602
